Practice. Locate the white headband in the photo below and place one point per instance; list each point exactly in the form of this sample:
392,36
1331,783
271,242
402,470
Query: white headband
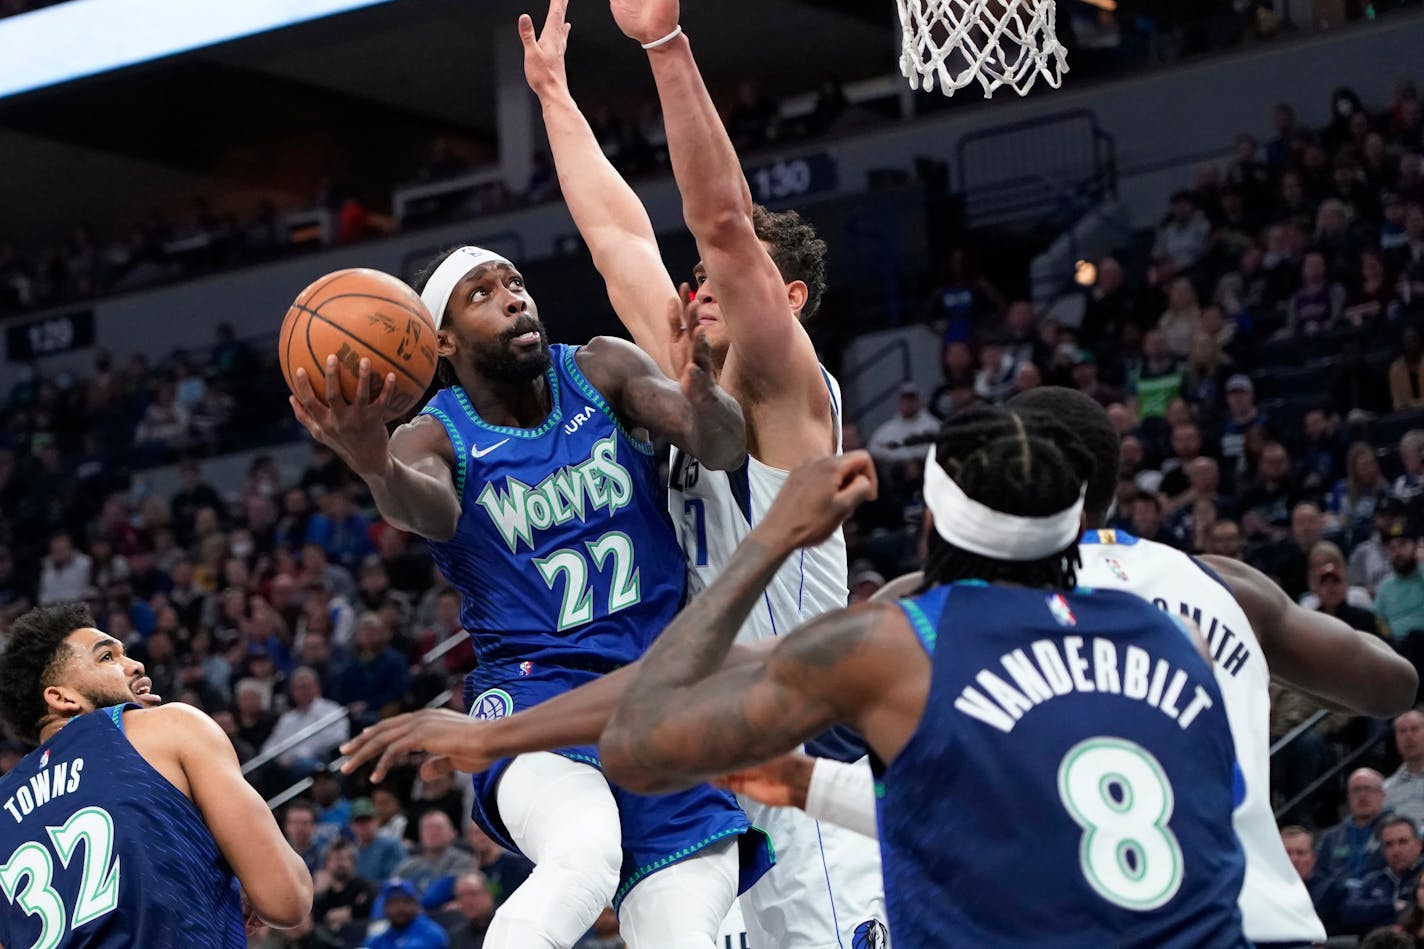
965,523
451,271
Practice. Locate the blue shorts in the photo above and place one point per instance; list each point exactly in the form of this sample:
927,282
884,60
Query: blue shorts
657,831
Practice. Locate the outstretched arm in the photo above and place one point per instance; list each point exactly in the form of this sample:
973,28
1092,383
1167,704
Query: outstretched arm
769,345
682,721
470,745
607,213
1354,671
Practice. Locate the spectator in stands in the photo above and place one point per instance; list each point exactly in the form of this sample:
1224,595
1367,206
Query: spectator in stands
1371,296
994,382
409,928
1206,369
1267,502
503,870
1225,539
1409,486
1384,894
605,933
438,856
1157,379
375,681
1399,601
299,827
163,429
1324,892
1406,373
1322,453
1086,381
474,908
1404,790
1350,851
1287,559
64,572
1146,517
1022,338
887,442
308,708
1370,560
342,897
340,530
391,820
1181,238
1319,303
376,856
1355,498
1329,593
1182,318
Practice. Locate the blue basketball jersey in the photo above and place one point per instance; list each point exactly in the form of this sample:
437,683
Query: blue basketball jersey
98,850
556,524
1071,782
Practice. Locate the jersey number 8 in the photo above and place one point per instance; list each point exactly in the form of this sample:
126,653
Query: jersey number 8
25,878
1118,793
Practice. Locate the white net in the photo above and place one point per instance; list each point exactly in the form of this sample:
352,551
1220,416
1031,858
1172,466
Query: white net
951,43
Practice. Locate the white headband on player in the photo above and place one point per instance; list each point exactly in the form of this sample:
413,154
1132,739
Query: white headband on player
453,269
965,523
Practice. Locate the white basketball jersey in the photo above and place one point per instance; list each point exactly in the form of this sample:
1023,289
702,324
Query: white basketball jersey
825,890
715,510
1275,906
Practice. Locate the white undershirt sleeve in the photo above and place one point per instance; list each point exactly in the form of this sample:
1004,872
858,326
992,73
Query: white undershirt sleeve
843,793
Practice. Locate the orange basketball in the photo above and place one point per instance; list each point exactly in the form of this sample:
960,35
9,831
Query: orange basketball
358,314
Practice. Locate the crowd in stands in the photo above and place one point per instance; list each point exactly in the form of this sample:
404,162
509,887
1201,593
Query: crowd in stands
1260,355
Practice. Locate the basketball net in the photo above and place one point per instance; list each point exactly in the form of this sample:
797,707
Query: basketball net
998,42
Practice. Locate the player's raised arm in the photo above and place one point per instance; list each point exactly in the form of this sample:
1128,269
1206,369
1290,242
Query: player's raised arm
272,875
1355,671
608,214
756,303
694,413
409,473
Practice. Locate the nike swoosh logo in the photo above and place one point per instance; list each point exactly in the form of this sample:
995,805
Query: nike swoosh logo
477,452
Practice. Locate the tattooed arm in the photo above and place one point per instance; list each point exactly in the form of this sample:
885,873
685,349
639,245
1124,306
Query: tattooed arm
682,720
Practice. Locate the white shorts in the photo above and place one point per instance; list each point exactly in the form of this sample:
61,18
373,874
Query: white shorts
824,892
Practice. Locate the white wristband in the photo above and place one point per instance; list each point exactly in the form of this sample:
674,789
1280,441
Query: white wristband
843,794
665,40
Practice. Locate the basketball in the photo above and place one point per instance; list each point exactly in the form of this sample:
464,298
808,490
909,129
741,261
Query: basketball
358,314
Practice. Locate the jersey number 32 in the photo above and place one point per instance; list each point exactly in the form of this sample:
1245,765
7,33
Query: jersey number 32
1118,793
27,876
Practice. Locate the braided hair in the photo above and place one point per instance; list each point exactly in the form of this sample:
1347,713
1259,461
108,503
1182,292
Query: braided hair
1017,462
1086,418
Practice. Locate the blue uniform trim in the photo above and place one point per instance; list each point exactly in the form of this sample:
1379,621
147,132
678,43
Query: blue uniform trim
830,893
1120,538
1214,575
669,860
116,713
924,628
741,484
596,397
556,414
462,457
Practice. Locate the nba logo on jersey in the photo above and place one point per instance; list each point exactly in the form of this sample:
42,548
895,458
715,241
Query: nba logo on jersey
871,934
44,759
1116,568
1059,608
491,705
526,667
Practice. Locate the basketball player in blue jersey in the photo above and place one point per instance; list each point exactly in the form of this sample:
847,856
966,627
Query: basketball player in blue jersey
1031,738
1254,630
127,826
761,275
532,475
